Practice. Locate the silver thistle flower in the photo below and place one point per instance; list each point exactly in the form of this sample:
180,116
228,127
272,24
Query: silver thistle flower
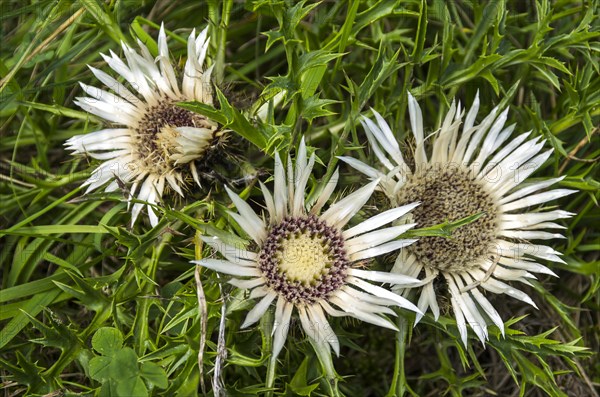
153,143
476,170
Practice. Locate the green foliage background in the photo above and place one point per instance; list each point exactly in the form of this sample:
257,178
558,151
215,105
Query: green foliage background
92,307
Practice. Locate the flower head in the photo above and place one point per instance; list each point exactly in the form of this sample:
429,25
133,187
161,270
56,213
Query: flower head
476,171
152,143
306,261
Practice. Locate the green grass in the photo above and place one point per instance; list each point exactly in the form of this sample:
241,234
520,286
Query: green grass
77,283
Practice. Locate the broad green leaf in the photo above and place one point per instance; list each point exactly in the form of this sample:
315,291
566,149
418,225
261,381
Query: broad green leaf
133,387
124,366
154,375
107,341
100,368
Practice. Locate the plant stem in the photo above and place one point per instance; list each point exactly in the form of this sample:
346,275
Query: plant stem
399,385
270,381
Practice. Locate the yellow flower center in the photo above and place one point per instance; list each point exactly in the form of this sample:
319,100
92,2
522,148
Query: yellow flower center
303,258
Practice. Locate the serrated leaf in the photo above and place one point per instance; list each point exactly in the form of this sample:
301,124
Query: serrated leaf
554,63
556,143
294,15
548,75
379,72
137,244
278,84
91,297
486,74
30,307
228,117
182,316
55,335
507,97
24,372
475,70
316,58
123,236
273,36
315,107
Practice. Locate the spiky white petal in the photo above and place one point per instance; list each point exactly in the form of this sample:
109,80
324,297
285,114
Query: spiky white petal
379,220
227,267
281,326
381,249
247,218
326,193
362,167
372,239
384,277
259,309
341,212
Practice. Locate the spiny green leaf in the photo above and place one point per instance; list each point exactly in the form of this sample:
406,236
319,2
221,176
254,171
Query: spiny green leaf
315,107
25,372
294,15
382,68
229,117
316,58
88,294
56,334
462,76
